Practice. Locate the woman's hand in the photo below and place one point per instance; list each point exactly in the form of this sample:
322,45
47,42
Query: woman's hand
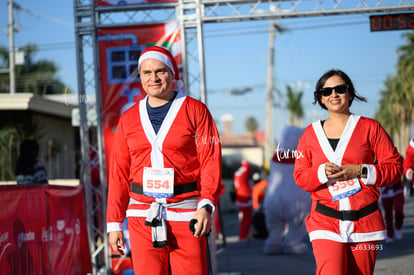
347,171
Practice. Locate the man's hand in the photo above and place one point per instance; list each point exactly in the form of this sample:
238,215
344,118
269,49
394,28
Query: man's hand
203,225
116,240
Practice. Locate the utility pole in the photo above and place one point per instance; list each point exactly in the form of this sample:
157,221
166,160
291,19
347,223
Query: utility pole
12,77
268,146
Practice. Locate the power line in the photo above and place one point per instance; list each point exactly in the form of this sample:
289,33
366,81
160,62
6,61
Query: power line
56,46
38,15
218,33
264,29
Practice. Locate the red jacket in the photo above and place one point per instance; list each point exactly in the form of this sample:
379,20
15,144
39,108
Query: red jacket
409,157
187,141
242,185
361,141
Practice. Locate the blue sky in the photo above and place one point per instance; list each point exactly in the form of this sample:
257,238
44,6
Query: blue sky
236,57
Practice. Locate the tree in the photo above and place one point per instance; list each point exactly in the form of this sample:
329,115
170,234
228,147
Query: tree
37,77
396,110
390,107
405,72
294,106
251,125
8,145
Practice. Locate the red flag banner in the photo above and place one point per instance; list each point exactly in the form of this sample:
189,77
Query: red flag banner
43,230
119,50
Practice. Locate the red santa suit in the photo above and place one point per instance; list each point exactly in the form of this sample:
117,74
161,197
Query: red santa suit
409,158
244,198
188,142
358,217
392,198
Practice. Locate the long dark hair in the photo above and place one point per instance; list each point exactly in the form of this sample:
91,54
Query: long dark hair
351,89
29,149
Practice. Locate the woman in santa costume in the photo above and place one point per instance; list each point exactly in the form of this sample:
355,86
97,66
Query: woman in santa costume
165,170
342,161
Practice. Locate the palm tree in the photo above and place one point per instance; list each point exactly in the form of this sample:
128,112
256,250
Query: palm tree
396,110
294,106
405,72
9,137
32,77
251,125
389,111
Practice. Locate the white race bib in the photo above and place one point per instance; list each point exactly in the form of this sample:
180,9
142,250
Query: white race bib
343,189
158,182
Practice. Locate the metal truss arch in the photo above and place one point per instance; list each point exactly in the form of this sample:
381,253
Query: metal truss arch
192,15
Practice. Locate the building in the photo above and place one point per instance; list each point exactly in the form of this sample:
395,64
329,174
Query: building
49,120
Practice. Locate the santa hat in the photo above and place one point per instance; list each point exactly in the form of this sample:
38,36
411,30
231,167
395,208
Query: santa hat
165,57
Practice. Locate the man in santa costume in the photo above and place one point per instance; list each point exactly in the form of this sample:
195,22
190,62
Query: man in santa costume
165,170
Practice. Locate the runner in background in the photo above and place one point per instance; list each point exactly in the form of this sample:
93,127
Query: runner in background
392,198
408,168
242,185
258,195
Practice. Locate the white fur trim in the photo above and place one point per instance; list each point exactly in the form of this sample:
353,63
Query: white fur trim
113,226
168,215
159,56
244,204
353,238
371,176
321,174
408,171
391,193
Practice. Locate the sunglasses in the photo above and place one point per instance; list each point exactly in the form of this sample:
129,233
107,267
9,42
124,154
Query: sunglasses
340,89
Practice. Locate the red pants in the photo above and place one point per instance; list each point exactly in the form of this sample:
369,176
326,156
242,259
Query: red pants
391,204
345,258
184,254
245,222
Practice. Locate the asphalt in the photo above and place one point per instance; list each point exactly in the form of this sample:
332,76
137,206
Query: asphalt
247,257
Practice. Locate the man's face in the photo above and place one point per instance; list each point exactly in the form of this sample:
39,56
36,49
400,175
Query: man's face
156,80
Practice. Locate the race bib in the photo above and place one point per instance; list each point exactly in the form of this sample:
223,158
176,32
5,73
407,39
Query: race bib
344,189
158,182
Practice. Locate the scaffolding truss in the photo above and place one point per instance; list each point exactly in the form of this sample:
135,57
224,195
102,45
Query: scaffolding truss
191,14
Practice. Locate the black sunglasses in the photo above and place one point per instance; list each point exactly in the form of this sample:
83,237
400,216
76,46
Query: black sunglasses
340,89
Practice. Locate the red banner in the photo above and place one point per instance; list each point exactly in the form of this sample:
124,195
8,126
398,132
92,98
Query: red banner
43,230
119,50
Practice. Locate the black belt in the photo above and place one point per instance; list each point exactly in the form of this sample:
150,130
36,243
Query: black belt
178,189
347,215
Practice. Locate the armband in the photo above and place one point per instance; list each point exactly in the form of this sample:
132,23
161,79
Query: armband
208,208
364,171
